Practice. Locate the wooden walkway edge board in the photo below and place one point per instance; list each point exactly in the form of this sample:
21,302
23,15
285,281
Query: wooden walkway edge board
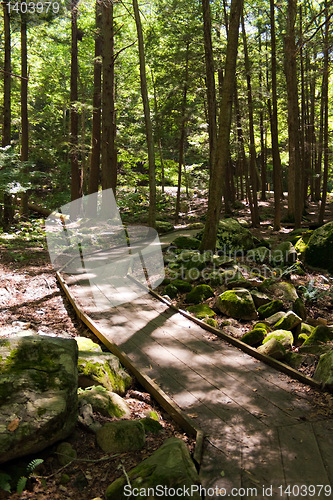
187,424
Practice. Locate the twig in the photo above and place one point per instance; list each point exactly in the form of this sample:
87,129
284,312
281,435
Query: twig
88,460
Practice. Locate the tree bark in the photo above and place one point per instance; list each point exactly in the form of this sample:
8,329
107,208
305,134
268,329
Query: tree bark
148,124
76,181
295,188
24,109
325,99
109,150
97,111
210,81
274,128
222,154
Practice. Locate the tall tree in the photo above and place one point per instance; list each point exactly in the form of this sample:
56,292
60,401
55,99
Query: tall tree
24,107
109,149
274,126
216,184
295,186
210,80
148,124
76,174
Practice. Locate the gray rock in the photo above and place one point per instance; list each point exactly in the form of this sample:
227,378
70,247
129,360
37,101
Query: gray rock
38,392
105,402
259,298
237,303
102,368
274,318
289,321
170,466
273,348
283,291
284,253
283,336
259,254
324,370
319,251
65,453
121,436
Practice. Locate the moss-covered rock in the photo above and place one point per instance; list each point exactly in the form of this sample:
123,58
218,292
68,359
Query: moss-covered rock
273,348
232,237
262,325
270,308
121,436
271,320
201,311
105,402
259,254
294,359
300,309
282,290
170,466
319,251
171,291
186,242
283,254
182,286
289,321
254,337
102,369
65,453
211,322
163,226
38,392
320,335
237,303
285,337
324,370
86,344
199,293
306,329
259,298
151,425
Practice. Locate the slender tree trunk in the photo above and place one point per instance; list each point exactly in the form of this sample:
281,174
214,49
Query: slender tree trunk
210,81
253,170
76,182
182,135
149,128
24,109
261,122
320,144
274,128
222,154
6,130
295,188
325,99
109,150
97,101
158,133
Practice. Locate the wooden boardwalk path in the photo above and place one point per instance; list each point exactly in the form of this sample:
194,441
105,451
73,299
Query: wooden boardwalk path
262,429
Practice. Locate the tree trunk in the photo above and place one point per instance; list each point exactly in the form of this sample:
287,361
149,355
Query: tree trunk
325,99
158,134
76,182
24,109
253,156
295,188
148,124
210,81
96,121
182,135
109,150
274,128
6,130
216,184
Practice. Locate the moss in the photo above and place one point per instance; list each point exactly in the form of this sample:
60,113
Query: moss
199,293
303,337
182,286
254,337
288,322
86,344
321,334
163,226
171,291
299,308
237,303
262,325
151,425
267,310
201,311
319,251
211,322
186,242
100,371
283,336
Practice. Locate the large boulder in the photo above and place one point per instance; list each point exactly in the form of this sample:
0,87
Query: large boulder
232,238
102,368
319,251
38,392
121,436
237,303
169,468
283,336
324,370
289,321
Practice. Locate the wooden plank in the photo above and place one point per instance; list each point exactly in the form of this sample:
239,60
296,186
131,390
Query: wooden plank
302,460
324,433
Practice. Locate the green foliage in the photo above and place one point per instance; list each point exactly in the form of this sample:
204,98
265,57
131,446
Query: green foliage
15,175
7,481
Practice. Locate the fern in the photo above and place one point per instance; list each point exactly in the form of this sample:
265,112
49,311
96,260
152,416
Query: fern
33,464
21,484
4,482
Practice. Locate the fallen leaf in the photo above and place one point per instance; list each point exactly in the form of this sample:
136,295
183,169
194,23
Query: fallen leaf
13,425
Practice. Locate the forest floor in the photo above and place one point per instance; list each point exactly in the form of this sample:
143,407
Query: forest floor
31,297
